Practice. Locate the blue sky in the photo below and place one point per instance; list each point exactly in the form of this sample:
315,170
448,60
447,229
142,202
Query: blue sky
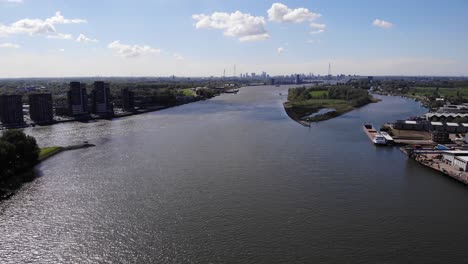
204,37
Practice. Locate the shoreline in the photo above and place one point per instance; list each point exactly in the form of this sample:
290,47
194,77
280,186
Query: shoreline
29,176
115,116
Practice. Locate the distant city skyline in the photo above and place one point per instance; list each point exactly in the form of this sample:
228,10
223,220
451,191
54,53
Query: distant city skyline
46,38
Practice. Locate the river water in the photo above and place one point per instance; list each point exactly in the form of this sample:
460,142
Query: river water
234,180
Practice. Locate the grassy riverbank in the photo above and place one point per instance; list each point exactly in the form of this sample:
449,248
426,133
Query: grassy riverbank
48,151
303,102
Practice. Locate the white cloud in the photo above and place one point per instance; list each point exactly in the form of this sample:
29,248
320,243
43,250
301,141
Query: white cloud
14,1
62,50
245,27
313,41
317,28
318,31
382,24
280,50
130,51
177,56
59,19
83,38
282,13
37,26
9,46
60,36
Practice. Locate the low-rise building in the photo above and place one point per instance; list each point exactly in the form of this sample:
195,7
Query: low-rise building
461,163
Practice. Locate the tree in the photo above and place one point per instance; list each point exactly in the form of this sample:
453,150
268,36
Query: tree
21,150
7,158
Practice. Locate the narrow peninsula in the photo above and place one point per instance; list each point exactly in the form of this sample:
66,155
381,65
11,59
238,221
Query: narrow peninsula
323,102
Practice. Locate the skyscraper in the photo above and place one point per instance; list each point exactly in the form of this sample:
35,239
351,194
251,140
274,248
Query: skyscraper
78,100
298,79
11,110
101,99
128,100
40,108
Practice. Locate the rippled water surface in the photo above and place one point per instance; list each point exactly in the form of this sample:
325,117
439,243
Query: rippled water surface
234,180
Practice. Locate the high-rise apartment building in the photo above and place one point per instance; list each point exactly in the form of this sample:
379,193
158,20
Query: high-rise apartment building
41,108
78,99
11,110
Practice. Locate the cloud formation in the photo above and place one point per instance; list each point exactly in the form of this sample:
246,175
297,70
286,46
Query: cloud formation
9,46
244,27
282,13
382,24
60,36
85,39
280,50
14,1
317,28
131,51
37,26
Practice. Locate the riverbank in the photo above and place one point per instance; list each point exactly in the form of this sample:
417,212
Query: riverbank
305,112
48,152
92,117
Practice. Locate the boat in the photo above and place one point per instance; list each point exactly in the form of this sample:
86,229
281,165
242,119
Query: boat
387,137
232,91
374,135
379,140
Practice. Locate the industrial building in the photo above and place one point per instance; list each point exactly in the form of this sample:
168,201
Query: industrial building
11,110
41,108
456,158
424,125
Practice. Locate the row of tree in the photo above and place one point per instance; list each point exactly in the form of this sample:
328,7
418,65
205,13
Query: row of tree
18,154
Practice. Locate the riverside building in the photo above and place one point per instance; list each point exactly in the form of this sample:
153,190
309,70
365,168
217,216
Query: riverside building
128,100
101,100
41,108
78,100
11,110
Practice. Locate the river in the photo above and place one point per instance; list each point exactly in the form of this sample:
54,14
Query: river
234,180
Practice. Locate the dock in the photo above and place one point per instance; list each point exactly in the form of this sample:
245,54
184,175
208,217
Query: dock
432,158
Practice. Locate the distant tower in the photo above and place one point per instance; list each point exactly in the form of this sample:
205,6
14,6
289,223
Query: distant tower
224,73
234,70
329,69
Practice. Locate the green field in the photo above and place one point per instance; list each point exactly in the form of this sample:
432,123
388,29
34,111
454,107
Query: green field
319,94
